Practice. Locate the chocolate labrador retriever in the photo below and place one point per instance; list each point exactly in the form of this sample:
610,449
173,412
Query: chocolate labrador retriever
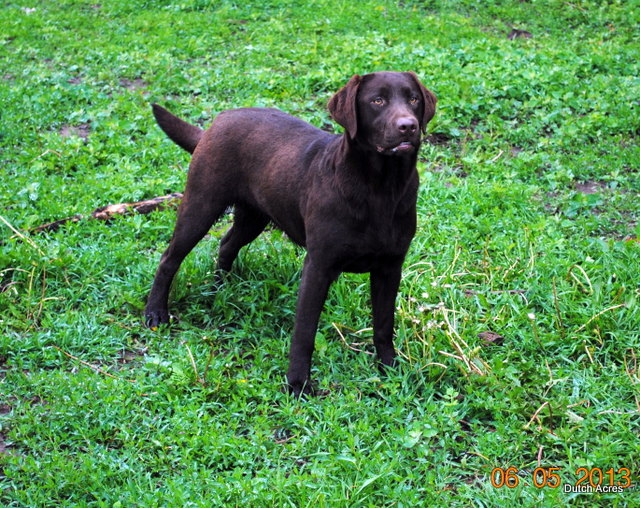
350,199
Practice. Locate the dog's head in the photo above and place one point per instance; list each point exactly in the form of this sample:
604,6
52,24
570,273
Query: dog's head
385,111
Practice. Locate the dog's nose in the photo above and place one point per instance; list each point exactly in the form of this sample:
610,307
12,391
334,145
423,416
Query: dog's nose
407,124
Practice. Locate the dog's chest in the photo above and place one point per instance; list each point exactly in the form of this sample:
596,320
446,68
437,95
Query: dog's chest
374,239
386,231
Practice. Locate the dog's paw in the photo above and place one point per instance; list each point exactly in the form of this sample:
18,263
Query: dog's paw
301,389
387,365
153,319
219,277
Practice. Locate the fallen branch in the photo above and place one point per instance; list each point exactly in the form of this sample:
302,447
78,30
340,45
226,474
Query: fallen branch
108,212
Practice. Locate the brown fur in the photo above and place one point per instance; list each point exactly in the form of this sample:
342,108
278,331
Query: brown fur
349,199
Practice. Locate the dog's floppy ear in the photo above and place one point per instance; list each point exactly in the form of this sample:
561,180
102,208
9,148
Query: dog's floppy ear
429,100
342,106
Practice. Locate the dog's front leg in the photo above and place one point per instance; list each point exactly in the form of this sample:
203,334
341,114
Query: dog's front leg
384,288
311,296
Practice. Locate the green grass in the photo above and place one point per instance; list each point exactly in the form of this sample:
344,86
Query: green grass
508,242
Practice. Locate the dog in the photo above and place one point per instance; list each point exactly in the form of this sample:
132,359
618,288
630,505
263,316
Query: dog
349,199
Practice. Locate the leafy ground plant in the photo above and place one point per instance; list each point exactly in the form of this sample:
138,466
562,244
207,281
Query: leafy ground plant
517,325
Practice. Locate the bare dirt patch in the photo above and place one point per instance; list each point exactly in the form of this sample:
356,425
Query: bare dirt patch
438,139
519,34
515,151
81,131
134,84
4,447
128,356
590,187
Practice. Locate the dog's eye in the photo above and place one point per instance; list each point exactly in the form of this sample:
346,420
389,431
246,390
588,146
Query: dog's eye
378,101
413,101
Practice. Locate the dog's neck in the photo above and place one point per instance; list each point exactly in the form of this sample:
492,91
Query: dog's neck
364,176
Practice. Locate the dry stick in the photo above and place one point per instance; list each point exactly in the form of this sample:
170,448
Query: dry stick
93,367
109,211
53,226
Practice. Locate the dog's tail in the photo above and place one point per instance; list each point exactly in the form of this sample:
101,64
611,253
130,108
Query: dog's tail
180,132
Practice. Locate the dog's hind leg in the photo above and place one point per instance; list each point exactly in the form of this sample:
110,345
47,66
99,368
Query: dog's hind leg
248,223
194,220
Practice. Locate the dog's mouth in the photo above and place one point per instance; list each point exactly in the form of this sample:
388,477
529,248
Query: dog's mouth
404,147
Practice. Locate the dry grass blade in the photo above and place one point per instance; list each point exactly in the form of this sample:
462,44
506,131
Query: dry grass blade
343,338
596,316
469,357
535,415
193,364
573,276
92,367
25,239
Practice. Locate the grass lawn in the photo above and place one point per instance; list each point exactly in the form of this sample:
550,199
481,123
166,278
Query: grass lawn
518,321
